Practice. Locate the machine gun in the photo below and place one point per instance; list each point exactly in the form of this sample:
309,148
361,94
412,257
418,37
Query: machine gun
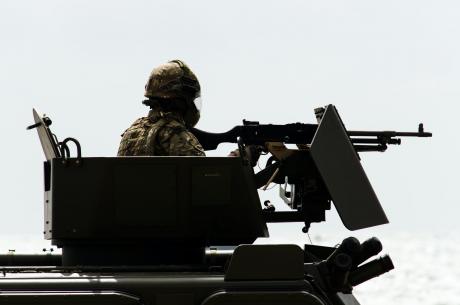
325,168
254,133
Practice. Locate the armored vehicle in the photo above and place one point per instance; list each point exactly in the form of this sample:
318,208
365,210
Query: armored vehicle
180,230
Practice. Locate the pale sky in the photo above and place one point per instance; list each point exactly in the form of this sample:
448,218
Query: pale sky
386,65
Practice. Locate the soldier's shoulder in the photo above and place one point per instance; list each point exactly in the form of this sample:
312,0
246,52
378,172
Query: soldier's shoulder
140,123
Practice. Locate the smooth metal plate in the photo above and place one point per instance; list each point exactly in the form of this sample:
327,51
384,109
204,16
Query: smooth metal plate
46,139
341,170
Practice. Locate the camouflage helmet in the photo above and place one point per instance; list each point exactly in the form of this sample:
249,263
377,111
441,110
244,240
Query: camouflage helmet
172,80
176,83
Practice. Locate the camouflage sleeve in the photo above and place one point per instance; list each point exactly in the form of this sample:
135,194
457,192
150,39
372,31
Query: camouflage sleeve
175,140
179,142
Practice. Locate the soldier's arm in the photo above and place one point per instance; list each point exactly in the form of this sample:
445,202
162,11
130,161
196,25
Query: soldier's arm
179,142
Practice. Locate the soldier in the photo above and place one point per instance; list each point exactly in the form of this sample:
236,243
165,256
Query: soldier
173,95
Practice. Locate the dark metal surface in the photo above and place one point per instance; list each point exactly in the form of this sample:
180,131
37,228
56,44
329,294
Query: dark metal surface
341,170
180,288
151,205
30,259
259,262
263,298
68,298
149,288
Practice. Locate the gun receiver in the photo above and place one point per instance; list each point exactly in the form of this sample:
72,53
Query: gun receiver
253,133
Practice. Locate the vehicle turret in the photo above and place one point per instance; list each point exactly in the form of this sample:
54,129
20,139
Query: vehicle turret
181,230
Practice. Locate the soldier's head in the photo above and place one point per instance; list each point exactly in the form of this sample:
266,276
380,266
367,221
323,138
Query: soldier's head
174,87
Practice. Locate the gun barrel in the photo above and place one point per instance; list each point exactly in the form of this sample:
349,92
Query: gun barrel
390,134
374,141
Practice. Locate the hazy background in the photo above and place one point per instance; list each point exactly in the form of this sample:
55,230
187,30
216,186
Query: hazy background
386,65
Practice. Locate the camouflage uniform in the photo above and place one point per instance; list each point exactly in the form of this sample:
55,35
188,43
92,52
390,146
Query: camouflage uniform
172,91
159,134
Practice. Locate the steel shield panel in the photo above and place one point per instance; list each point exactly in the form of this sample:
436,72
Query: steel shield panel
341,170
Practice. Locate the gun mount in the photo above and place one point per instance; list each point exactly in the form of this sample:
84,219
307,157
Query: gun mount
131,237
